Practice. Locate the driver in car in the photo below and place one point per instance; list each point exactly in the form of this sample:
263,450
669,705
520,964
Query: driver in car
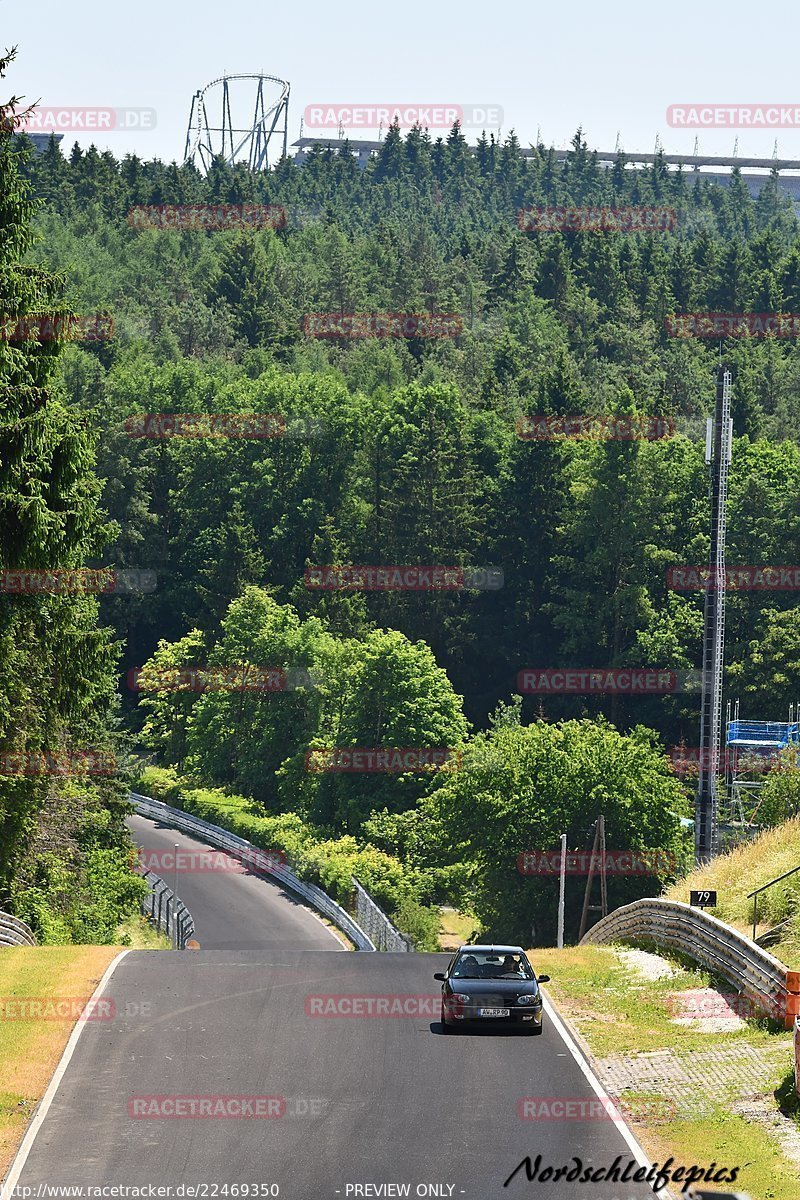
468,969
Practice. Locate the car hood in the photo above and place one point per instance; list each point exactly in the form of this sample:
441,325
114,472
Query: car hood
505,988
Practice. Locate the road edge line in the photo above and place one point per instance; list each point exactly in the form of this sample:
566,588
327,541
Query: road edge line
565,1033
322,923
8,1184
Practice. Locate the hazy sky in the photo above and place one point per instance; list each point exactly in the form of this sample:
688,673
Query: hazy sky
612,68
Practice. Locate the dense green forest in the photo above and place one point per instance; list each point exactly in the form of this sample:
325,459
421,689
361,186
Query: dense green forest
417,459
64,850
407,451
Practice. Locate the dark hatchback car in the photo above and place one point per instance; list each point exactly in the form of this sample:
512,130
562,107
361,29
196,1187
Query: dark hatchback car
491,985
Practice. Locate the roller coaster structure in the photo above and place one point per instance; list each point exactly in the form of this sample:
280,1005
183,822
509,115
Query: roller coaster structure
266,112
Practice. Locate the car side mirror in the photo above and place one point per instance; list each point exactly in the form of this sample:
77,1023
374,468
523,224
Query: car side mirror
543,979
440,975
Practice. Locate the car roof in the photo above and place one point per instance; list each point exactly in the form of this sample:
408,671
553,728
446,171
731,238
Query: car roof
494,949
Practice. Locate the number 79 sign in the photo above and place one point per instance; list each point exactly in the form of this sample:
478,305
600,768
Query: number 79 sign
703,899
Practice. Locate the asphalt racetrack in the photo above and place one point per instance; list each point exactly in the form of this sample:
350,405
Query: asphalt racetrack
270,1060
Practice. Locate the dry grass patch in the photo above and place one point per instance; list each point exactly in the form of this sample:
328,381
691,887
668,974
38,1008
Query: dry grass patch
31,1047
455,928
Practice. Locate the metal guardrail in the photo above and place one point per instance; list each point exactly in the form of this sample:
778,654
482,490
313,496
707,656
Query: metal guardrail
754,971
375,922
797,1056
167,911
14,932
256,859
755,894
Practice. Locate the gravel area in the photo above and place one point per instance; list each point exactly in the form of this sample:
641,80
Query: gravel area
651,966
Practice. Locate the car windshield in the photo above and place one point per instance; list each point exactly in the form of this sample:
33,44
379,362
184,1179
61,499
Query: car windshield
486,964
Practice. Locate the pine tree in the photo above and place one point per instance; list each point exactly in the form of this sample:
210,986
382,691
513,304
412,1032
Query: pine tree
390,161
244,284
57,673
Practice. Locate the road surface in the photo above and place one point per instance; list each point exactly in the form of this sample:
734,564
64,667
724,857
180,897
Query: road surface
308,1106
233,908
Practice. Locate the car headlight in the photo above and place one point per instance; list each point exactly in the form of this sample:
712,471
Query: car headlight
528,999
460,998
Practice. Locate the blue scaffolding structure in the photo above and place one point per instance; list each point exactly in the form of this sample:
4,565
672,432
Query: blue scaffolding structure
751,749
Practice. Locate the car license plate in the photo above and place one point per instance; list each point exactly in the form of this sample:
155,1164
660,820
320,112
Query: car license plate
494,1012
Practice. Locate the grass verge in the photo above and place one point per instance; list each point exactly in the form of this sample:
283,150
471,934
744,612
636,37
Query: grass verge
684,1085
31,1046
746,868
137,933
455,928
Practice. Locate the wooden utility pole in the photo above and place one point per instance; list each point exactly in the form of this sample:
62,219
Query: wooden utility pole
598,847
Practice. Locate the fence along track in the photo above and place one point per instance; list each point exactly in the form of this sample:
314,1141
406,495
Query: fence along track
377,925
167,911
